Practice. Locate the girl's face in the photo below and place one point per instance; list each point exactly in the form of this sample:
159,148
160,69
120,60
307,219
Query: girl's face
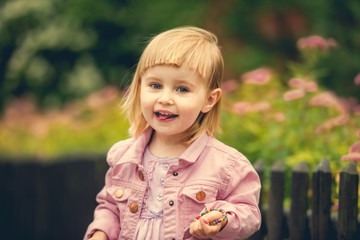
172,98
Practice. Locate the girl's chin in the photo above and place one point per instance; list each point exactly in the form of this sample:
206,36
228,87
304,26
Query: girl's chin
168,132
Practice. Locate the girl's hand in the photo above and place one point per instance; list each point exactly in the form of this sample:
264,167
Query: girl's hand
201,228
98,235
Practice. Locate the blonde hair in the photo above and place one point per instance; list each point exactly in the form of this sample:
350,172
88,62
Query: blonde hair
198,50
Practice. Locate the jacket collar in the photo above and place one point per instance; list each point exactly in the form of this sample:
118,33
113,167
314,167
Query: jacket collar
135,152
192,153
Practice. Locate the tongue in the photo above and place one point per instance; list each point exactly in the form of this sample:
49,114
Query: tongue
163,117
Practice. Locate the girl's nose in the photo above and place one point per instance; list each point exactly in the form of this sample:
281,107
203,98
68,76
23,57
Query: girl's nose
165,98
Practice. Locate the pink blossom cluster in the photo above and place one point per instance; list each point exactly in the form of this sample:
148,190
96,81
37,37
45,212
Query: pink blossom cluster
327,99
354,151
307,85
244,107
102,97
23,113
357,79
260,76
301,86
330,100
229,85
316,42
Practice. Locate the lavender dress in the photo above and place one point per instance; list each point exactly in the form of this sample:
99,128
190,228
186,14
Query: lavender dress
150,225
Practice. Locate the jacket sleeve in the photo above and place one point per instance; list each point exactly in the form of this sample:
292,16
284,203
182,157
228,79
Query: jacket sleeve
106,214
240,200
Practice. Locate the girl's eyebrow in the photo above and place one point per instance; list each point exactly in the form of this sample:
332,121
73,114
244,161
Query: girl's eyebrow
151,78
182,81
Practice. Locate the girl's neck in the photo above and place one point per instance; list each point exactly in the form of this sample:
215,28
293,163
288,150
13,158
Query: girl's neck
166,146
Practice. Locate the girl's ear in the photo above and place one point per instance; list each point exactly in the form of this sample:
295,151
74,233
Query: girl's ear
212,98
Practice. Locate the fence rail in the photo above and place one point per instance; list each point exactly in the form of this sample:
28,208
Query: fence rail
56,201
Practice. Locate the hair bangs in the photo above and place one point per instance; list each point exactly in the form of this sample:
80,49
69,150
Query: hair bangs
193,51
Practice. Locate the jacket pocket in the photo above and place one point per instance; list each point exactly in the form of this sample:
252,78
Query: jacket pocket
194,198
120,196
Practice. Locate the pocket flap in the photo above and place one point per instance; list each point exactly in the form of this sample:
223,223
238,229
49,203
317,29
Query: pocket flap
200,193
119,193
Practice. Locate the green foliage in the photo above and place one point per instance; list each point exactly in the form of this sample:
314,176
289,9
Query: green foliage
299,121
58,51
89,126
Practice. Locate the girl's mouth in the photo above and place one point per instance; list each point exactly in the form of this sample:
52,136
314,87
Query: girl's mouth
165,115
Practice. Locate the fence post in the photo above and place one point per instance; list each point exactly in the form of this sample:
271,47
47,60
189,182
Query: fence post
274,216
299,202
259,235
348,202
321,201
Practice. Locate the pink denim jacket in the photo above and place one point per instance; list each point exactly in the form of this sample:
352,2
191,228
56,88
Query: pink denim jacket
209,175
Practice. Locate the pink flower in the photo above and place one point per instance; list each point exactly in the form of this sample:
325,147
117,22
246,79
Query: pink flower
355,156
330,100
102,97
357,79
280,117
329,124
316,42
310,86
293,94
246,107
325,99
296,82
241,107
229,85
260,76
260,107
355,147
21,106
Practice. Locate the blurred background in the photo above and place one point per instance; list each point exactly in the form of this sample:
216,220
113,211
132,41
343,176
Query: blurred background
291,84
64,64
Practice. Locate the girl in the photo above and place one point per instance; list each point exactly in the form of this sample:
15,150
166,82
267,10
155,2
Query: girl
173,169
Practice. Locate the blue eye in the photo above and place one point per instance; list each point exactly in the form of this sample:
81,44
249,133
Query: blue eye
182,89
155,86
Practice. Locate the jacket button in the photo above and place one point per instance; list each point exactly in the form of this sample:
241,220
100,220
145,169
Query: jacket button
171,203
119,193
200,196
175,174
141,175
133,207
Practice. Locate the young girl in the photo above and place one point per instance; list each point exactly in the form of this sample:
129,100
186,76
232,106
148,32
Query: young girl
173,179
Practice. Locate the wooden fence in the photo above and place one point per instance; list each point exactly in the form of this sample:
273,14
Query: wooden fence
49,201
301,221
56,201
